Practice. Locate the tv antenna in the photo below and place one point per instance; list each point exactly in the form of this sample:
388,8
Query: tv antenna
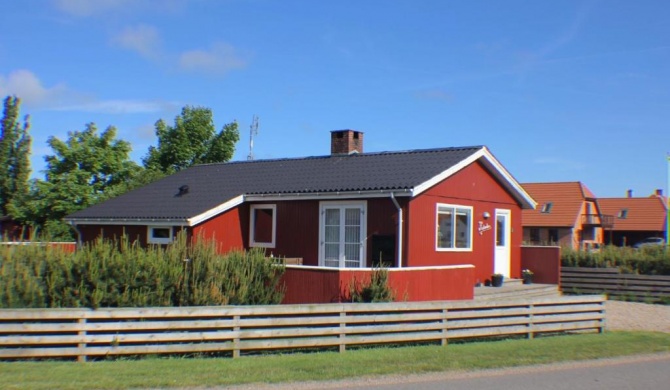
253,131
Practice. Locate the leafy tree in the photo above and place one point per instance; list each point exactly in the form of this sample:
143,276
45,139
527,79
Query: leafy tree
14,159
84,170
192,140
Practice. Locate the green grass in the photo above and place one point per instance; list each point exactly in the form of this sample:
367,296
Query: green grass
205,372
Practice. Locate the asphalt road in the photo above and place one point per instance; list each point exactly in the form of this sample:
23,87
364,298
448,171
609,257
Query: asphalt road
628,373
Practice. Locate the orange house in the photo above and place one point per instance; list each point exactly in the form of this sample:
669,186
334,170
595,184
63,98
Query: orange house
635,218
568,215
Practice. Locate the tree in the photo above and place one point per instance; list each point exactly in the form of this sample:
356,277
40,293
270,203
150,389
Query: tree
84,170
14,159
192,140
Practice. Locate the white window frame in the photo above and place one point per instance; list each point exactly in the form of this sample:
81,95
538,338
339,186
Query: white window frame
152,240
252,225
454,208
363,205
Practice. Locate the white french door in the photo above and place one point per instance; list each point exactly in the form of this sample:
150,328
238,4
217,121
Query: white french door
342,234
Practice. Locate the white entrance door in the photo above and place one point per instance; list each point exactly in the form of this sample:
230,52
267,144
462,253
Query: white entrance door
342,234
502,263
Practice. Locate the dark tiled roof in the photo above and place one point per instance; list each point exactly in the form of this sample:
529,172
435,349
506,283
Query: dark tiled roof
214,184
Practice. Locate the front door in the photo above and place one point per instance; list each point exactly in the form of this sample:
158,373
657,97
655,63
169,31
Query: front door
501,264
342,233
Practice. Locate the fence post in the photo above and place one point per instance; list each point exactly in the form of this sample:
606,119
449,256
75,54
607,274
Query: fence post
82,340
603,317
445,339
530,321
343,327
236,340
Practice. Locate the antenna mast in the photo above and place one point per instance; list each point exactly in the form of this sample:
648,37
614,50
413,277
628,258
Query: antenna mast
253,131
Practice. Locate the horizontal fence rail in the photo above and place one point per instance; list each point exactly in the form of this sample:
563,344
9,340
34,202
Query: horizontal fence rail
83,333
644,288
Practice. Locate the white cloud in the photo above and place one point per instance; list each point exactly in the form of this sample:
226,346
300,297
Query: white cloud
143,39
24,84
219,59
117,106
83,8
28,87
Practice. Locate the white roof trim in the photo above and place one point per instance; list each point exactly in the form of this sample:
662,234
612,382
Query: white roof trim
494,166
126,221
236,201
327,195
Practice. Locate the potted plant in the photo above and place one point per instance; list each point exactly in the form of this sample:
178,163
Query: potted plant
497,280
527,276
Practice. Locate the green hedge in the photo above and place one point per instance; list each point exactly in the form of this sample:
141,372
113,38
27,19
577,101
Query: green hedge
644,261
124,274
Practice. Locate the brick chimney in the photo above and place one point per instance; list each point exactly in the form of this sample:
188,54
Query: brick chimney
346,142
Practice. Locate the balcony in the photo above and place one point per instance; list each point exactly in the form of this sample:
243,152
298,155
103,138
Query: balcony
605,221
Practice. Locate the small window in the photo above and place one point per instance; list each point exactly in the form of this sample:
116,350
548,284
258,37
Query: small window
454,227
159,235
534,235
546,208
623,214
263,225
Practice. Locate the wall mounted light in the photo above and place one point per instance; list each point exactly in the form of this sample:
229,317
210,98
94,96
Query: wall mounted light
486,215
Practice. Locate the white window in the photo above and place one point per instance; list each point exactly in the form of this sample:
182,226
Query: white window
342,232
263,225
159,234
454,228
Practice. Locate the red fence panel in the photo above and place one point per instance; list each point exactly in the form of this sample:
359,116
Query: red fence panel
306,284
544,261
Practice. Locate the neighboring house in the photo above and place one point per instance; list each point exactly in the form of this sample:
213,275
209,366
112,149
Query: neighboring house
418,208
635,218
567,215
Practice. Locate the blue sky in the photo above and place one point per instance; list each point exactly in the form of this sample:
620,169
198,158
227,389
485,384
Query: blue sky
559,91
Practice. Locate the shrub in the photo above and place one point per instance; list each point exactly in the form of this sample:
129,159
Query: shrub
121,273
377,290
645,261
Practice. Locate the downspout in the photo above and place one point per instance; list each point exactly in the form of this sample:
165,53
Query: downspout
400,222
76,229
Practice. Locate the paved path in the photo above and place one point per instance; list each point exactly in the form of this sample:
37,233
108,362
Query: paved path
633,372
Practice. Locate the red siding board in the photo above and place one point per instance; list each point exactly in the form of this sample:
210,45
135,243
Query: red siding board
230,229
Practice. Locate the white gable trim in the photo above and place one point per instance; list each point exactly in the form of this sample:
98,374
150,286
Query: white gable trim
238,200
494,166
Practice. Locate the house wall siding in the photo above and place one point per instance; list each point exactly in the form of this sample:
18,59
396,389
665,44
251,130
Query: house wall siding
472,186
229,230
88,233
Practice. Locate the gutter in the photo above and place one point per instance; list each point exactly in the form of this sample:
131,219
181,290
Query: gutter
400,230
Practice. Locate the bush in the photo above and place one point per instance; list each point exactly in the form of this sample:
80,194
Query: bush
377,290
645,261
124,274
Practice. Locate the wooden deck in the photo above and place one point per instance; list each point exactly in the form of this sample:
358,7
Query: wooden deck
515,289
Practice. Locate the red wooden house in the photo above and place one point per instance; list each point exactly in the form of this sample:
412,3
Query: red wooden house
446,217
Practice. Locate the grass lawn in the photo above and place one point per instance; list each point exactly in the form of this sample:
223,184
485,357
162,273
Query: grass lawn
155,372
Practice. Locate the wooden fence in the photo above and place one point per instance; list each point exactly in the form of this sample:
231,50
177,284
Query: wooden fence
647,288
82,333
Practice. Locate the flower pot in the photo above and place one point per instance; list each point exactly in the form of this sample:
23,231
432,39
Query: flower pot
497,280
527,279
